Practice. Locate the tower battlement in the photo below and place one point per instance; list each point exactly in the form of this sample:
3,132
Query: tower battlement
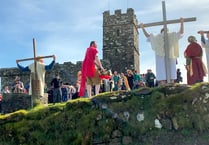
120,40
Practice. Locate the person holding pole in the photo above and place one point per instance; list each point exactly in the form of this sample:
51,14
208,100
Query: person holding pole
41,69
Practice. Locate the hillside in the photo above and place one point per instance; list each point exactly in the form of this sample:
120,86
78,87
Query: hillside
174,114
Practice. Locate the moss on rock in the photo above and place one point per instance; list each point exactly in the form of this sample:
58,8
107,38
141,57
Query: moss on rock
115,118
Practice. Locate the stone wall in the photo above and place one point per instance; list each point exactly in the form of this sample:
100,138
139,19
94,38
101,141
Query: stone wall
15,101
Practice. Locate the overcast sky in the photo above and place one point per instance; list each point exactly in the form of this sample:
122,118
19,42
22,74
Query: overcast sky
66,27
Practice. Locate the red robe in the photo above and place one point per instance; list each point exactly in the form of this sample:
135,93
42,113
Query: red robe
195,71
88,68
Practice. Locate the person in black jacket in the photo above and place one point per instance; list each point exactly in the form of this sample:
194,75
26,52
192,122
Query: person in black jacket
150,78
56,84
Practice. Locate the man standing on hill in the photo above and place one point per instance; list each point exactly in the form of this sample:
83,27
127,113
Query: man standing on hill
150,78
90,73
56,84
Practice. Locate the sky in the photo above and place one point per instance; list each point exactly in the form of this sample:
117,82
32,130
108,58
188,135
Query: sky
64,28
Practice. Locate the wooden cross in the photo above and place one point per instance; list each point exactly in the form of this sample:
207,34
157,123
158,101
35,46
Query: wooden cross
165,22
35,82
203,32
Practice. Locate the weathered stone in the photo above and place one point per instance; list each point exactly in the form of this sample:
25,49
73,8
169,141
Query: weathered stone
116,133
157,123
126,115
175,123
166,123
115,141
127,140
206,98
142,92
140,117
15,101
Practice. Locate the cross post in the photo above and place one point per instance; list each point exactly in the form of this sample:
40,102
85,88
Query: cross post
165,22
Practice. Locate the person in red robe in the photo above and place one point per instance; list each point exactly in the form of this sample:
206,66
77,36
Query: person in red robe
90,75
194,65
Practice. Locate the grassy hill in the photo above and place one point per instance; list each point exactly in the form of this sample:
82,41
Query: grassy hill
174,114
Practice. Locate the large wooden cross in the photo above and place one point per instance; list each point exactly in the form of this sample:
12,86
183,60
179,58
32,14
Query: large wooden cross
165,22
35,84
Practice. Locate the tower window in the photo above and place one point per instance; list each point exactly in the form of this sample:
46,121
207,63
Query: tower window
118,32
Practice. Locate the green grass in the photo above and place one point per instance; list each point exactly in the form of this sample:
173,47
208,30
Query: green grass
84,121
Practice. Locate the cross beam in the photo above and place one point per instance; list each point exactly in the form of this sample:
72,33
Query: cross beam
203,32
169,22
32,58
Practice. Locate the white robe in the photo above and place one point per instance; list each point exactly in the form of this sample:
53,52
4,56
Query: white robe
40,76
206,46
157,43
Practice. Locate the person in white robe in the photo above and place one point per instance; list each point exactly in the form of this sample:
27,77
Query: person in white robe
157,44
205,44
41,69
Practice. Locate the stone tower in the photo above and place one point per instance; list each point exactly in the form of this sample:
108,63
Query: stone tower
120,40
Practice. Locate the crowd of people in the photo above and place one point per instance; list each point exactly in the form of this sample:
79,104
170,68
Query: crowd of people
130,80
